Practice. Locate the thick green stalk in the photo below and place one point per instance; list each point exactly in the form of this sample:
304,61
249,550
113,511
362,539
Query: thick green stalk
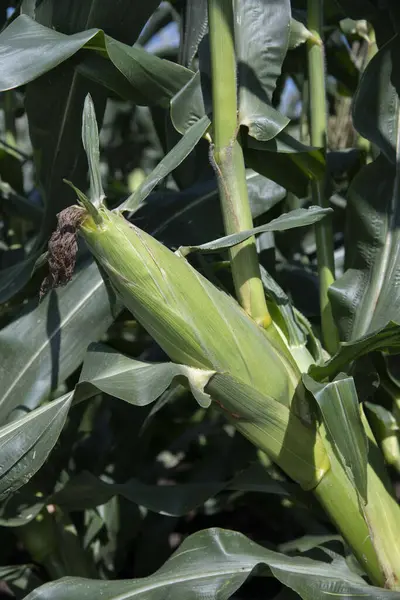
372,531
228,161
318,126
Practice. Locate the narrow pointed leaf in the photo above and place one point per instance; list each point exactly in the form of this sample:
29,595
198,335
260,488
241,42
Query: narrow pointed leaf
339,406
90,139
173,159
26,443
299,217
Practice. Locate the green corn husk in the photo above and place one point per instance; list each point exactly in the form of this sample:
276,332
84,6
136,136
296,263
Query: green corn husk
250,377
198,325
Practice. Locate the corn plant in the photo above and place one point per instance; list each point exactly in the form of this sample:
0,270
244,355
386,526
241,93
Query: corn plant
236,393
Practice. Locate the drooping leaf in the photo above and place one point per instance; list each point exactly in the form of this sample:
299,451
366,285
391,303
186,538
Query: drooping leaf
299,217
44,346
26,443
339,406
376,102
218,562
41,49
194,27
120,22
134,381
386,339
365,298
87,491
262,31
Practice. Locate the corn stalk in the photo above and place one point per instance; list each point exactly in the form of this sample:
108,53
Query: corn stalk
246,375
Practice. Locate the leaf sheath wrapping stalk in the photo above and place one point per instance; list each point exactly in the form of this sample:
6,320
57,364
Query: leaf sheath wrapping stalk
198,325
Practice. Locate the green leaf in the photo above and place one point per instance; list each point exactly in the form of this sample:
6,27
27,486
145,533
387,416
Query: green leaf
308,158
386,339
376,102
41,49
87,491
195,21
26,443
296,218
133,381
187,106
339,406
262,37
43,347
219,561
118,20
90,140
168,163
288,162
284,169
367,297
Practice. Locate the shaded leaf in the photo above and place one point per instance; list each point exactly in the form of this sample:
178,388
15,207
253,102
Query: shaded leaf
194,27
44,346
87,491
26,443
281,168
376,101
386,339
386,432
40,49
262,31
339,406
366,297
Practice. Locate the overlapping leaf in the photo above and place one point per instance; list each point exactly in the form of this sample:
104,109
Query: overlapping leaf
387,339
339,406
366,297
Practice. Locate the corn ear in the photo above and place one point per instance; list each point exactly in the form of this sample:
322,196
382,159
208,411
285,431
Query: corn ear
198,325
195,323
